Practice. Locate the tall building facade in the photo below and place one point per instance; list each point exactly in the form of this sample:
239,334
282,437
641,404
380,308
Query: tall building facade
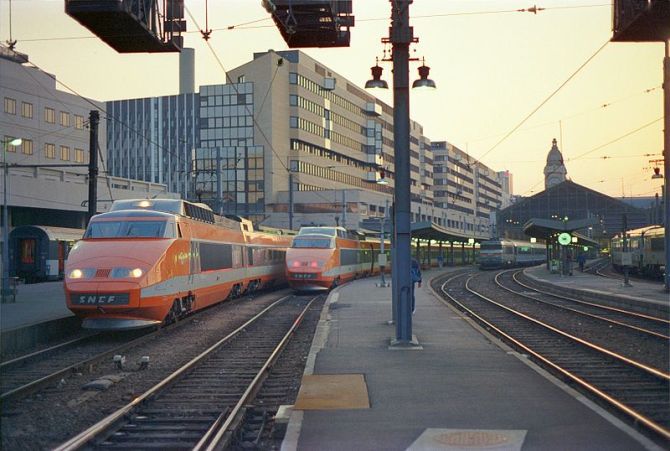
326,145
154,139
288,142
467,190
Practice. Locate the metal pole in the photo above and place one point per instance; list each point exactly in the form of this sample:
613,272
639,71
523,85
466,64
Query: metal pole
383,236
219,186
344,209
401,36
666,160
394,268
5,227
94,119
626,269
290,200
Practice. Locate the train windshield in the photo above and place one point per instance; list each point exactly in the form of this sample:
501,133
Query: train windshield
490,247
319,243
132,229
330,231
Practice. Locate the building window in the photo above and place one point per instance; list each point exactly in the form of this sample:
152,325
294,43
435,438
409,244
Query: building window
7,146
50,150
79,155
78,122
49,115
10,106
27,110
65,153
241,79
64,118
27,146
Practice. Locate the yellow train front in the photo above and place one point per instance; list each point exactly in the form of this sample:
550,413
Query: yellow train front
321,258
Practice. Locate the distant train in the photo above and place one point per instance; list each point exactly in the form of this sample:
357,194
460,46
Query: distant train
150,262
38,253
321,258
647,249
501,253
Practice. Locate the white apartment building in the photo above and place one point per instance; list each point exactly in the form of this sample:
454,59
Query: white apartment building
53,127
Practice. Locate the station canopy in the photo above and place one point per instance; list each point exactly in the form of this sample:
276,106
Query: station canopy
549,229
424,230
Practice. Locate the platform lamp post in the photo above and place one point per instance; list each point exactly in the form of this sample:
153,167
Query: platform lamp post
400,37
666,161
14,142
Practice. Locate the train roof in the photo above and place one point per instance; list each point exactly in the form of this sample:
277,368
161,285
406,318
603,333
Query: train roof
644,231
53,233
512,242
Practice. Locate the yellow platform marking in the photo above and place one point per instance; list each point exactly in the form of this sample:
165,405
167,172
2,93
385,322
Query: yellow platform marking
333,391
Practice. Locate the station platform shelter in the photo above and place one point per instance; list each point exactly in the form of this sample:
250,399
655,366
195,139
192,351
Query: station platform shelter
434,245
564,243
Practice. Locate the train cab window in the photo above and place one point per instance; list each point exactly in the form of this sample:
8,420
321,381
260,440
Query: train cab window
134,229
319,243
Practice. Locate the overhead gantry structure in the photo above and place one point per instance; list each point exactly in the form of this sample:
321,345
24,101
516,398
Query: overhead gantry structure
133,26
312,23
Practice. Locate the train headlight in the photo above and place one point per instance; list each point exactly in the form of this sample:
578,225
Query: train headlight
84,273
126,273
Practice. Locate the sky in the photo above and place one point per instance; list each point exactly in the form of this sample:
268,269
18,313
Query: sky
508,82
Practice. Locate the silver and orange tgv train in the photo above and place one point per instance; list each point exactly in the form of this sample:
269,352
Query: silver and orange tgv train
321,258
150,262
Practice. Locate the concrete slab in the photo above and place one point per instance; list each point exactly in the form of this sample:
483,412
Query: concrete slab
332,391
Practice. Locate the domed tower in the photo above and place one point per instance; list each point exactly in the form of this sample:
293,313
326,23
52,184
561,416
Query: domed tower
555,171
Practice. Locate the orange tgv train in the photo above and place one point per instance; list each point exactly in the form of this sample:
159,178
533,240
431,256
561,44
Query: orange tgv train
150,262
321,258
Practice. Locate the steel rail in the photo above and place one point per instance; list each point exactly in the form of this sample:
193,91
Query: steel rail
214,436
39,383
605,307
590,315
44,351
89,434
641,366
631,412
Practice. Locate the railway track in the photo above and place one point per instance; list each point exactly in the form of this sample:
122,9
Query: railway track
24,375
197,406
646,325
627,387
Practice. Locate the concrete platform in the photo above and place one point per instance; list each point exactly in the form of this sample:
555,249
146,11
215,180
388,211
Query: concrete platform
650,296
35,303
38,315
462,390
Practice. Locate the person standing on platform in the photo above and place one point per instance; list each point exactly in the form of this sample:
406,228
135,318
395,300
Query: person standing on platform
568,259
581,259
415,272
440,260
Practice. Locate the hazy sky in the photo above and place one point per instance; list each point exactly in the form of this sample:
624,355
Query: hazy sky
492,68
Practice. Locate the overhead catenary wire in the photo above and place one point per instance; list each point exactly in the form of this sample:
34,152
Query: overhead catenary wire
544,102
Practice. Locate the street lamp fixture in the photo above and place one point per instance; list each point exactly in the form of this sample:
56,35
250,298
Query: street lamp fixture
14,142
424,82
376,82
